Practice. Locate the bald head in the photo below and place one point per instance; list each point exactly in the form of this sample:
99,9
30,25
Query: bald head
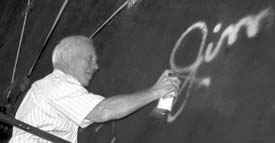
75,55
71,43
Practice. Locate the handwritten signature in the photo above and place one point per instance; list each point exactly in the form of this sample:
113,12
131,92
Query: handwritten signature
252,25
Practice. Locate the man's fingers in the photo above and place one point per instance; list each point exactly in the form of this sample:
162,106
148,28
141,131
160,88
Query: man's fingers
163,76
167,83
172,82
171,79
166,73
175,81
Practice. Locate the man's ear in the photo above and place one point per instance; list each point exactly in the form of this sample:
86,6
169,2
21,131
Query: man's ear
66,56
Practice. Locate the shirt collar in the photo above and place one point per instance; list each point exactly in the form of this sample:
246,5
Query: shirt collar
68,77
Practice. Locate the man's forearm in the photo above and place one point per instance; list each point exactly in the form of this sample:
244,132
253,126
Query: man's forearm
119,106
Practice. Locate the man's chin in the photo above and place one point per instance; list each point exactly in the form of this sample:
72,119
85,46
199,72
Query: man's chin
85,84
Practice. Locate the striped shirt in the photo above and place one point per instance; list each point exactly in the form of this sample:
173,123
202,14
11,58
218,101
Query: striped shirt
57,104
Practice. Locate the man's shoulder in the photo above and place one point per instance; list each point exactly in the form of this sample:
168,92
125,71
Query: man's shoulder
57,81
51,78
45,83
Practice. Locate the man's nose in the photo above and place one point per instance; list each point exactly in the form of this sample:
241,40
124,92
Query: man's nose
94,66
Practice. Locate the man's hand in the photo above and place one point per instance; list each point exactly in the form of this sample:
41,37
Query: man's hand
166,84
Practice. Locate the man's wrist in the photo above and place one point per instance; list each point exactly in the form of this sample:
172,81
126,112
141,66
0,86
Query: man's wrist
155,93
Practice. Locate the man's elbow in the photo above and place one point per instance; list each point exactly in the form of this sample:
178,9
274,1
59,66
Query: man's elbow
102,115
106,115
109,114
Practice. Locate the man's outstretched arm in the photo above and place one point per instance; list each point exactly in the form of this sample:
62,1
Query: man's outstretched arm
119,106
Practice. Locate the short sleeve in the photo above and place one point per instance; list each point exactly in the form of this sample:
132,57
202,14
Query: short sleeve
74,102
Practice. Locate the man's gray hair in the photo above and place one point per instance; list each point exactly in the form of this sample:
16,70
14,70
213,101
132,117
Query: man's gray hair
68,43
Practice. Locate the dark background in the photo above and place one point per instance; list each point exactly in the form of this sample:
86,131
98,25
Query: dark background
238,105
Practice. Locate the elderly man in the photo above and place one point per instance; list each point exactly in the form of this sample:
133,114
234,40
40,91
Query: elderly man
59,103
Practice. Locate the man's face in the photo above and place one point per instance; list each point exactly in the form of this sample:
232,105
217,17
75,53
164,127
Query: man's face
84,63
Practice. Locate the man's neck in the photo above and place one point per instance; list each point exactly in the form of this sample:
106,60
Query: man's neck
63,69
